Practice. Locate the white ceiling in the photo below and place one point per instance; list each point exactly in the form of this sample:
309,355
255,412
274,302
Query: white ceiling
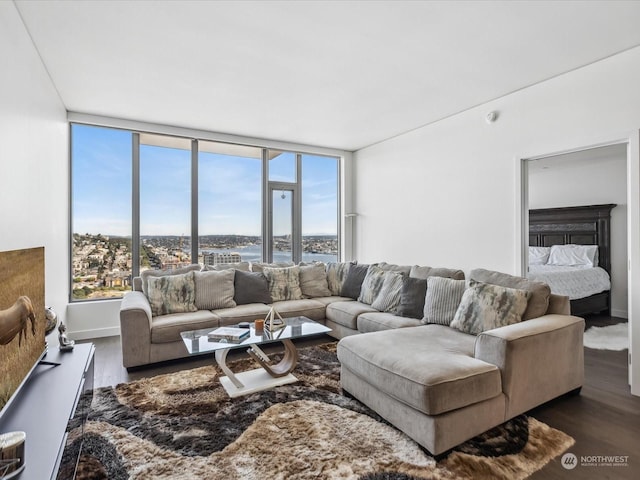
328,73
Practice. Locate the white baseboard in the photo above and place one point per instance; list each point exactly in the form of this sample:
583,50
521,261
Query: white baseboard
95,333
619,313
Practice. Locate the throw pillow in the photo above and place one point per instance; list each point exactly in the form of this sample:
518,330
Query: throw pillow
371,284
389,297
313,281
336,275
412,296
250,287
485,306
214,289
426,272
353,282
442,299
259,266
539,292
284,283
172,294
144,276
244,266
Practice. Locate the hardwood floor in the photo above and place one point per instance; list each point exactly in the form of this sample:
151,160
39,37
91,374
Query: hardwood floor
604,419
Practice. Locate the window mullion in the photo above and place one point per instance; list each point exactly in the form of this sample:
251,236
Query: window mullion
135,206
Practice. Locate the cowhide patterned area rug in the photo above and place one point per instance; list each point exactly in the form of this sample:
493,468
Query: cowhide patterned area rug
184,426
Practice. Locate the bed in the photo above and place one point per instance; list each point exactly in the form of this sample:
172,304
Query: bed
587,228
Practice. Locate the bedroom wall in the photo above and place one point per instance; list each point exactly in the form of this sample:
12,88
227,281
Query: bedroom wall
591,177
33,157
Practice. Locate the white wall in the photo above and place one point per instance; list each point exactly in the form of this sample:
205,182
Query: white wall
448,194
591,177
34,166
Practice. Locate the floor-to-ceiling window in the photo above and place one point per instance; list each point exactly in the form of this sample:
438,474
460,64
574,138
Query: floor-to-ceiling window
171,201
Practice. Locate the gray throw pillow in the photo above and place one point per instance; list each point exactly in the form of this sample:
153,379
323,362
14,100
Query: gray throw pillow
336,275
371,285
353,283
412,296
485,306
313,281
539,292
442,299
144,276
389,297
250,287
284,283
172,294
214,289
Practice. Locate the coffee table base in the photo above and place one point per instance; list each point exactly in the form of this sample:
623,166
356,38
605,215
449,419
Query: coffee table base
254,381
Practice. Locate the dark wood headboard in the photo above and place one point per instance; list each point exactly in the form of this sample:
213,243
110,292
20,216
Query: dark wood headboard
586,225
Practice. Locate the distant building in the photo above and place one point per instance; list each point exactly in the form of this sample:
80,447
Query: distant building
221,258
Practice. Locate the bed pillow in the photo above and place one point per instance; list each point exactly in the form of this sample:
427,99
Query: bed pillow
485,306
388,298
171,294
442,299
250,287
353,282
412,296
539,255
313,281
214,289
284,283
573,255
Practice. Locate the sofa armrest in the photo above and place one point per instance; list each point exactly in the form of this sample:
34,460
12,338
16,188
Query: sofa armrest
135,329
559,304
539,359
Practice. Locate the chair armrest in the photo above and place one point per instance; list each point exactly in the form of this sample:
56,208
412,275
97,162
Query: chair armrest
539,359
135,329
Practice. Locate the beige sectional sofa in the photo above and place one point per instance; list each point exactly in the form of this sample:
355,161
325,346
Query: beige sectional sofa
439,384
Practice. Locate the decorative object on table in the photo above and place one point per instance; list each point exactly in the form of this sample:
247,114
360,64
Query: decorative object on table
258,326
52,319
11,454
229,334
65,343
271,323
244,325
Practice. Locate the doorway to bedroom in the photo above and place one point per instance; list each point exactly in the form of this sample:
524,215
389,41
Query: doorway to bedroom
581,197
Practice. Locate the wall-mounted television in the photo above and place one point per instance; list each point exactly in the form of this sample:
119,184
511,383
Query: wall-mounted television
22,319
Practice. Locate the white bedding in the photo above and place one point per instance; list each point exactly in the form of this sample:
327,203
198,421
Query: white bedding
576,282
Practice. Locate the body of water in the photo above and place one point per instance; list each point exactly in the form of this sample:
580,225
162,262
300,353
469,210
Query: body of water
253,253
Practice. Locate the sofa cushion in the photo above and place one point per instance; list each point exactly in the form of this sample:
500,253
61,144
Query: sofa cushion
284,283
371,284
391,267
412,295
377,321
144,276
214,289
242,313
244,266
313,281
430,368
539,296
442,299
426,272
388,298
296,308
250,287
485,306
353,281
346,313
171,294
332,299
167,328
336,275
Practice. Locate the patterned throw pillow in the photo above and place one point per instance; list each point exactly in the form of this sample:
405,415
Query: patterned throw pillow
214,289
144,276
371,285
336,274
412,297
259,266
284,283
313,281
172,294
485,306
244,266
389,297
442,299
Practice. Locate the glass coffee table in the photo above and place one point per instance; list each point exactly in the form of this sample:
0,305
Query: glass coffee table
270,375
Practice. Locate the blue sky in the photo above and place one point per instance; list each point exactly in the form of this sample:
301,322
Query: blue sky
229,189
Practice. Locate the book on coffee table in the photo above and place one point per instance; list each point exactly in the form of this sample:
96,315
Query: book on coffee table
230,334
